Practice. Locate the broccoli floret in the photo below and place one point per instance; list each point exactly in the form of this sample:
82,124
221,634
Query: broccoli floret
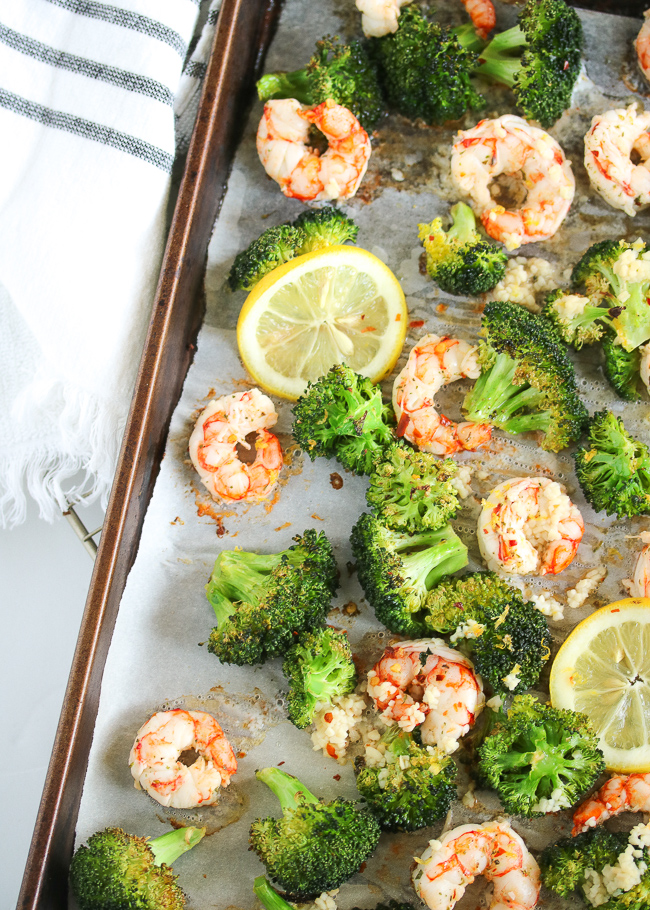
338,71
392,905
407,798
411,490
540,759
426,70
503,634
527,381
616,277
325,227
273,901
120,870
622,368
262,602
459,260
613,468
397,570
315,846
343,415
575,319
319,667
563,864
275,246
539,59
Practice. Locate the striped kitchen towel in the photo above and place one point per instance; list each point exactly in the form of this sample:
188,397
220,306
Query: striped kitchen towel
87,144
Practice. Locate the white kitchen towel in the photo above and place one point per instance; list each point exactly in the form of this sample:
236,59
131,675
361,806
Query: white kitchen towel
86,150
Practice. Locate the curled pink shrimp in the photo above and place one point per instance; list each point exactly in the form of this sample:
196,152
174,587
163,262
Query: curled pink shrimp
223,425
482,14
155,765
640,585
621,793
642,46
434,362
302,172
529,526
443,695
493,850
511,146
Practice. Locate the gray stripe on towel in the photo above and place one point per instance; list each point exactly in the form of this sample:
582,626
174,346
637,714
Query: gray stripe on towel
87,129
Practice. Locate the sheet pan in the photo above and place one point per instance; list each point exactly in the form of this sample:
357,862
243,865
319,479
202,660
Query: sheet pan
244,30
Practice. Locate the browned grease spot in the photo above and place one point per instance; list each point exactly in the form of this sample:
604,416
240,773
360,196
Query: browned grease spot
177,521
316,517
422,263
268,506
351,608
351,567
336,480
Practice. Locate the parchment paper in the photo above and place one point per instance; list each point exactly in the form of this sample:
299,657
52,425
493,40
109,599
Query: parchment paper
158,658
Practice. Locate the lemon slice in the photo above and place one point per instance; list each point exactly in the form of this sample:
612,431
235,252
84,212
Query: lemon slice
603,670
337,305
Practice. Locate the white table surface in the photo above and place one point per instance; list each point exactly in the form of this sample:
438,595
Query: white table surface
44,576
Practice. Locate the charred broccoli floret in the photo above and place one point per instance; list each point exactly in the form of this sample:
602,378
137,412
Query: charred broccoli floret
275,246
262,602
425,70
622,368
319,667
397,570
613,468
527,381
120,870
539,59
576,320
506,637
563,865
342,72
312,230
617,278
411,490
540,759
315,846
413,788
324,227
342,414
578,863
459,260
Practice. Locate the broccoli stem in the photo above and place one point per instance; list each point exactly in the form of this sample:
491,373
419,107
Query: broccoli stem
168,847
238,576
286,85
495,65
439,553
464,223
287,788
269,896
468,38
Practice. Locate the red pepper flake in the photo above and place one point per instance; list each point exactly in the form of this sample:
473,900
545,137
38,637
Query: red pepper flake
416,324
398,317
331,751
337,777
287,524
616,611
241,755
442,308
316,517
328,717
280,763
369,328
